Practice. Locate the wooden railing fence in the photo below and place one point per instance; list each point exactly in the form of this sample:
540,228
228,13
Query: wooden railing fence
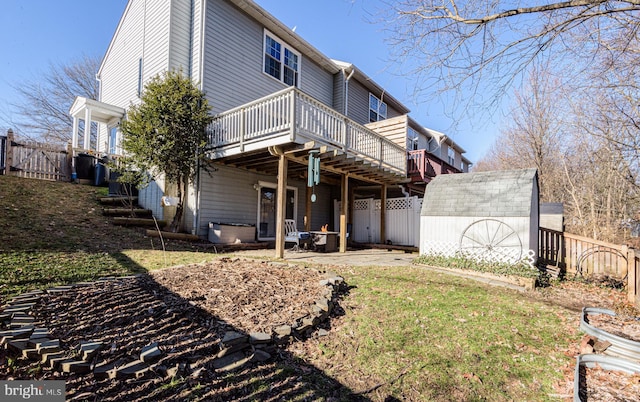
576,255
422,164
33,159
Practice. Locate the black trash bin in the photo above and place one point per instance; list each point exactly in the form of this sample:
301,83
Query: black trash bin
85,166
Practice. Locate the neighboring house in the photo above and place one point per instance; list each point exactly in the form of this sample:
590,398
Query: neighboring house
276,99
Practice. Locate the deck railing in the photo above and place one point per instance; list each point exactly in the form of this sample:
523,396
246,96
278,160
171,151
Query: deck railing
422,164
297,114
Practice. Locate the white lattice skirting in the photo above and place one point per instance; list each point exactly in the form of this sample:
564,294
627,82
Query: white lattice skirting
491,255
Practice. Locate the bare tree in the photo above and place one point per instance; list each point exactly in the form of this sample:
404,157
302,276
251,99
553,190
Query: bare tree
42,110
579,143
532,137
484,46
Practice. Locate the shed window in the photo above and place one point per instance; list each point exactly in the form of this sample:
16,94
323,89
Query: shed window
281,61
377,108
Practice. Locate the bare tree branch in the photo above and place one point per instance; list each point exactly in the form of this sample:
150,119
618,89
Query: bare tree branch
42,110
486,47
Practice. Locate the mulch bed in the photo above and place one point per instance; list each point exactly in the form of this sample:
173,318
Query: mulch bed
186,310
598,384
624,326
250,296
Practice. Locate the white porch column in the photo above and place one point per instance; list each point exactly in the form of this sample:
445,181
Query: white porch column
74,135
87,129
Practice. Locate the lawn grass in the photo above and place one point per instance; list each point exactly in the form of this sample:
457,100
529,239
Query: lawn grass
407,333
430,336
54,234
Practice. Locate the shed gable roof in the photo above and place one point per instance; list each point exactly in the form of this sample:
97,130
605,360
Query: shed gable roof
482,194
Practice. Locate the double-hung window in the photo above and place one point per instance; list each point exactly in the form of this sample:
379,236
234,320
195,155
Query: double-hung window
377,109
280,60
413,139
451,156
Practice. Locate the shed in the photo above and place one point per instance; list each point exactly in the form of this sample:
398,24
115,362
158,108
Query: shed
491,216
552,216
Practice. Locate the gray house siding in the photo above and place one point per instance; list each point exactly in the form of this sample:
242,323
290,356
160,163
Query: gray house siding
119,71
233,62
359,103
338,92
228,195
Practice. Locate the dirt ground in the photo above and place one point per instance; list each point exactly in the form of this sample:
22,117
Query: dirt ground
188,309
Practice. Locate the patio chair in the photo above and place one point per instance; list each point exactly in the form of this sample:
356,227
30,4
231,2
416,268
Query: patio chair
293,235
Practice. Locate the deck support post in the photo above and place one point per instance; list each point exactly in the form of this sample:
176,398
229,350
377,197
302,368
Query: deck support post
344,207
281,205
307,210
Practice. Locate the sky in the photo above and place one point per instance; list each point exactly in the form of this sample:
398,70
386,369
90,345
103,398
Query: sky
36,33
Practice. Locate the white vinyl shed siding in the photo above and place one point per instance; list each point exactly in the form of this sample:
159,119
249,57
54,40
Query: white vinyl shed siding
150,196
233,62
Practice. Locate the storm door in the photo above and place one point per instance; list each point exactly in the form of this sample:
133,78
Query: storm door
267,205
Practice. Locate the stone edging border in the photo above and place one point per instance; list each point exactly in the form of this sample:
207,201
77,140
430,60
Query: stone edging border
30,339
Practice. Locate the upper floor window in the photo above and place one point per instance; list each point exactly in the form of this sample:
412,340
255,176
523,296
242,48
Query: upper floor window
451,156
377,109
280,61
412,139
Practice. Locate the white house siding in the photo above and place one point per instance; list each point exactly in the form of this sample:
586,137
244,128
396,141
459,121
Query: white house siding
149,197
196,32
143,33
180,36
228,195
156,39
233,62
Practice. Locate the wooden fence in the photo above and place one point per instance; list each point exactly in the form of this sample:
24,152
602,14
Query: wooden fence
580,256
33,159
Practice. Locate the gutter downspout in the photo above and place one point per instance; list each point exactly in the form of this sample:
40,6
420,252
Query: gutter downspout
347,77
195,226
196,207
